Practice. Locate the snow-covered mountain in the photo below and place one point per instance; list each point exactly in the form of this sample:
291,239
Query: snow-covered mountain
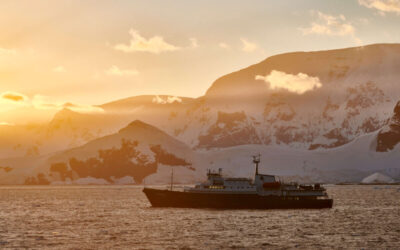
305,104
141,153
354,92
357,90
133,153
70,129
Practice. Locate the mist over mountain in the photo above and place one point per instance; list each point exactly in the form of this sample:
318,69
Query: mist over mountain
314,107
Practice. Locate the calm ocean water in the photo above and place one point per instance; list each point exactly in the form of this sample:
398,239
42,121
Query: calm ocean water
113,217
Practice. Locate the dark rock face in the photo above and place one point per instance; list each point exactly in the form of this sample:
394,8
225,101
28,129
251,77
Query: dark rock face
329,107
166,158
389,135
276,110
118,163
334,134
230,129
40,179
62,169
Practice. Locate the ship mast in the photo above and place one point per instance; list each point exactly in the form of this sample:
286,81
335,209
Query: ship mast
256,161
172,178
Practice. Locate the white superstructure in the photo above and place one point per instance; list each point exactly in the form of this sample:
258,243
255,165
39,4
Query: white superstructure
265,185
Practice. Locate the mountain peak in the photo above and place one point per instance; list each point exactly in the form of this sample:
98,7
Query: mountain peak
63,114
138,125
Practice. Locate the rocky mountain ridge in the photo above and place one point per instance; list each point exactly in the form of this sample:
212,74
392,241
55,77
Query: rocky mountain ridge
351,94
358,90
134,152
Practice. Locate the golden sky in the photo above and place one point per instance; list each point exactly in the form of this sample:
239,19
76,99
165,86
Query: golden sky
91,52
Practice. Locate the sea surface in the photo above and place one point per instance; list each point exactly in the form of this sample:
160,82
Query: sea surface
120,217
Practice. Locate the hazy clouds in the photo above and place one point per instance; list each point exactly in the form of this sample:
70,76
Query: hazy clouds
155,44
382,5
13,96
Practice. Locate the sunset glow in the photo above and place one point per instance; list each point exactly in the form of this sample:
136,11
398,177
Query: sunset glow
94,52
208,124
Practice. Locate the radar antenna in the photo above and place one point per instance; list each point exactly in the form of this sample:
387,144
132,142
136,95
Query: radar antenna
256,161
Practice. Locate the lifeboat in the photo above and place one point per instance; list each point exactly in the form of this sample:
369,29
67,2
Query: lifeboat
271,185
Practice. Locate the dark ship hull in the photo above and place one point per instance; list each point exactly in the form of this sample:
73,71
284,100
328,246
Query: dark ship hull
167,198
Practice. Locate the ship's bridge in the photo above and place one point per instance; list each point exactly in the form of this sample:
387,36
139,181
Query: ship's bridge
264,178
217,183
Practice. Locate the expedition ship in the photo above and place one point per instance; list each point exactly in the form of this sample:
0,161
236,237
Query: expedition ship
265,192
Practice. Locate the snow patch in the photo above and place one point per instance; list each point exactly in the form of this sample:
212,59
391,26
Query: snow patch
377,178
123,181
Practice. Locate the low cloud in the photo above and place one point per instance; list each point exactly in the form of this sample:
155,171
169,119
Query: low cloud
298,84
170,99
4,51
45,102
13,96
392,6
115,71
83,108
248,46
59,69
6,124
138,43
11,100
